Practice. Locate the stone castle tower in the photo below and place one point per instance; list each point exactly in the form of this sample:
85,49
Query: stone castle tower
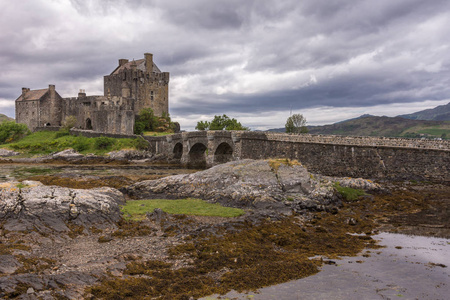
142,81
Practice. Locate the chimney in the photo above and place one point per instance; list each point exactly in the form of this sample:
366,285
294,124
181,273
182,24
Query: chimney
52,91
149,62
122,61
24,92
82,93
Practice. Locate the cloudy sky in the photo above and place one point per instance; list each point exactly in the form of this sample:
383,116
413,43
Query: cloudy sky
253,60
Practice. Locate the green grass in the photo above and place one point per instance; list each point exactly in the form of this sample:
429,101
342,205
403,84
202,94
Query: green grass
154,133
45,142
136,209
349,194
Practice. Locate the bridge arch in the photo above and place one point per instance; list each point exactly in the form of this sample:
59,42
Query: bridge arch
178,150
223,153
197,156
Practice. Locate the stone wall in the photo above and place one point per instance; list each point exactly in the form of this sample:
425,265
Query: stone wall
91,134
27,113
365,158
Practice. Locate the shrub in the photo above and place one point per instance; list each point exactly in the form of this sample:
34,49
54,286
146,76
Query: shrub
81,143
141,144
11,131
103,142
62,132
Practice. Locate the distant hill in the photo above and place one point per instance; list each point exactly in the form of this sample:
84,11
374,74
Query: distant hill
439,113
386,126
432,123
5,118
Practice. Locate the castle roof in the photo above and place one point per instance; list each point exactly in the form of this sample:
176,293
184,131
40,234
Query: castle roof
32,95
140,65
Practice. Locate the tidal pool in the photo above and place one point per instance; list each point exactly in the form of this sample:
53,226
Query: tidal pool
409,267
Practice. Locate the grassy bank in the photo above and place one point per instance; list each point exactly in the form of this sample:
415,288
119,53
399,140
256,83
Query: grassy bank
45,142
137,209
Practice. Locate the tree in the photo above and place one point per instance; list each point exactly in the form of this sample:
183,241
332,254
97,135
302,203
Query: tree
69,122
202,125
220,123
296,124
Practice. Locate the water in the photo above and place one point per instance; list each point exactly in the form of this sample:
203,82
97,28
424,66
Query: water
410,267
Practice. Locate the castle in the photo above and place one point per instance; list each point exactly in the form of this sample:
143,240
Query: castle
131,87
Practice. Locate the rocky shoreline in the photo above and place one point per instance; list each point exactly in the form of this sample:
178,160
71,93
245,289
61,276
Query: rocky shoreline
65,243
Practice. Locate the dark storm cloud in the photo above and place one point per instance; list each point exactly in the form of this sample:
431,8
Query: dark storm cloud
346,91
234,56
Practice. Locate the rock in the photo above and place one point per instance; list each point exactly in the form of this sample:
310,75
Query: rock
352,221
8,264
7,153
68,154
245,183
47,208
359,183
130,155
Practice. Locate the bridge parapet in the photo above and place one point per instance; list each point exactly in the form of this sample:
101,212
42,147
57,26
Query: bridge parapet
361,141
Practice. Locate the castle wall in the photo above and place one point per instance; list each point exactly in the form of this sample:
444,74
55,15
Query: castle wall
27,113
113,121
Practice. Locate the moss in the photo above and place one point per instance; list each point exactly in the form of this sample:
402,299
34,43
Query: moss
75,230
34,264
6,249
20,289
129,228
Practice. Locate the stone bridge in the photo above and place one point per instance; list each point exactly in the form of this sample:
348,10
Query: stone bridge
368,157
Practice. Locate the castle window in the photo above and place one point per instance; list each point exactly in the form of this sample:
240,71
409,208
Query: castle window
151,98
87,103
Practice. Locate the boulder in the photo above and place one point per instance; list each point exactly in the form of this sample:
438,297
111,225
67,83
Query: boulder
68,154
245,183
129,154
51,208
7,153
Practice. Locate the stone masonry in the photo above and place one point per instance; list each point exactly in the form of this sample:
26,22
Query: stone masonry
131,87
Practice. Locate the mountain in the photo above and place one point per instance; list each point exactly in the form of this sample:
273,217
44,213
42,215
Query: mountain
386,126
361,116
439,113
5,118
